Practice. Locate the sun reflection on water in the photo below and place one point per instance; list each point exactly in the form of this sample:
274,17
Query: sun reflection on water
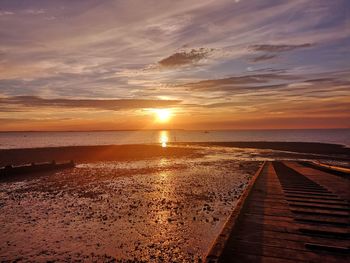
163,138
165,193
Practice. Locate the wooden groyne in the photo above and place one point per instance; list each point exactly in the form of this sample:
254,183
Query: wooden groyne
221,241
11,170
290,213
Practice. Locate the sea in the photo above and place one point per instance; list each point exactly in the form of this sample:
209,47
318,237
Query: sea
13,140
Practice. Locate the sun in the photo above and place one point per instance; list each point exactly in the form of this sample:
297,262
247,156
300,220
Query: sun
163,115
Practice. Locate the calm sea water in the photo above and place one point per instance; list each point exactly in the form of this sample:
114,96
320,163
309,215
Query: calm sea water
45,139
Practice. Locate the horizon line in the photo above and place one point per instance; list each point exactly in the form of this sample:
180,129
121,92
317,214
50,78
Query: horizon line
116,130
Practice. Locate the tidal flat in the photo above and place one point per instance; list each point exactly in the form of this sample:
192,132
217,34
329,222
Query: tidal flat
168,204
156,209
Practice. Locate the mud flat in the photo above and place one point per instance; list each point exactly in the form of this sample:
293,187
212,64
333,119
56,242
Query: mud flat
298,147
132,202
153,209
91,153
81,154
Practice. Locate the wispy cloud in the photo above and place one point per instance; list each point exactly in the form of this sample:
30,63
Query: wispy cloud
34,11
6,13
29,11
22,102
263,57
236,81
185,57
272,51
206,54
279,48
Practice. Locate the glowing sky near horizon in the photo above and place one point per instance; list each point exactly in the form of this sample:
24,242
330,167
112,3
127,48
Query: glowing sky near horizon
223,64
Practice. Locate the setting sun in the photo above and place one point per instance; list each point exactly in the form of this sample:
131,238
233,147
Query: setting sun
163,115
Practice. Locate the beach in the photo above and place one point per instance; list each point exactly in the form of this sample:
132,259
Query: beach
91,153
174,150
174,131
131,202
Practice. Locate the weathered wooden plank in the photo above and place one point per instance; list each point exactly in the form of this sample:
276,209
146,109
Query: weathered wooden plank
284,213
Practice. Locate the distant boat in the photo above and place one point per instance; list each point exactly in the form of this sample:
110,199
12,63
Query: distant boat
206,132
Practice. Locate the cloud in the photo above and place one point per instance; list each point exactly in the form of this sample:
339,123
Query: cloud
258,90
184,57
273,50
263,57
34,11
101,56
25,11
18,102
6,13
236,81
279,48
270,122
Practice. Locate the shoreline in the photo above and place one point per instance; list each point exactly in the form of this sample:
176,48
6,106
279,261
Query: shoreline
146,151
298,147
169,129
91,153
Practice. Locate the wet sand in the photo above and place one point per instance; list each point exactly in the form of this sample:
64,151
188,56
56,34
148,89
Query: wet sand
150,210
299,147
91,153
136,203
136,152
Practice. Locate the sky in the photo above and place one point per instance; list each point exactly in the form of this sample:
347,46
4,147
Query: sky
212,64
